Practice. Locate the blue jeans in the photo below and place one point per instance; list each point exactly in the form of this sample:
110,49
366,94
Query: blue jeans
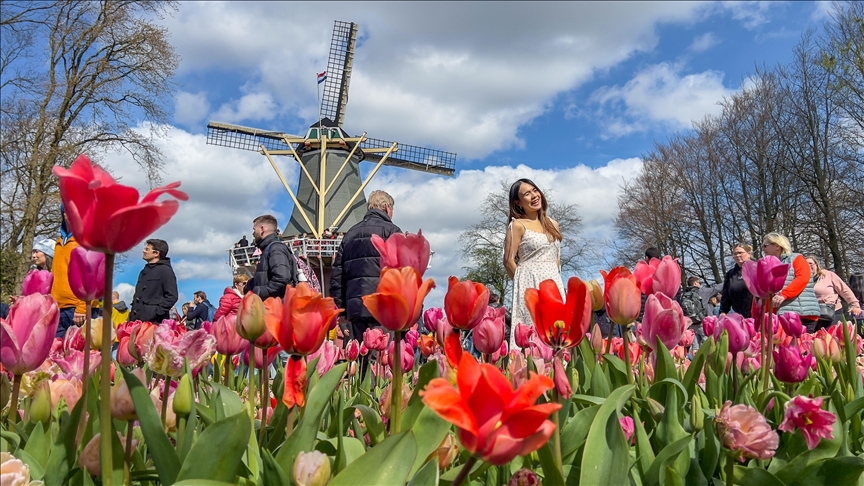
67,315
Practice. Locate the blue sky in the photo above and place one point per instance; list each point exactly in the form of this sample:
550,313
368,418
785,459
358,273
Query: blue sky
567,94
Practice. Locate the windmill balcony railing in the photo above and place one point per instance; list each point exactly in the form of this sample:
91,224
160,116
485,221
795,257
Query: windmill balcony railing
318,248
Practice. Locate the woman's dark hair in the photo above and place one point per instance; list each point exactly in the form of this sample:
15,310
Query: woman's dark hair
516,211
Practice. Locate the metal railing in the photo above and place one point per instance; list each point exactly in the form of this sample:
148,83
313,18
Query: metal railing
320,249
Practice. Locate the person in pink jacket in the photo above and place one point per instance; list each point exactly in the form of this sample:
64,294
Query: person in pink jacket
830,288
230,300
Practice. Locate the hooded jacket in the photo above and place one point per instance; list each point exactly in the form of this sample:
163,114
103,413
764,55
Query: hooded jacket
275,270
60,289
155,292
229,303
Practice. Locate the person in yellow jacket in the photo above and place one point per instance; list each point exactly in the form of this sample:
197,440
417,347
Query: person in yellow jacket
72,309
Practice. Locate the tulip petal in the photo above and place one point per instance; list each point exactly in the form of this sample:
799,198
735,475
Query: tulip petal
390,310
440,396
295,382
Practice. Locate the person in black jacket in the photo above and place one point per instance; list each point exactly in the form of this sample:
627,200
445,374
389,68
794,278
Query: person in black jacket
200,313
357,268
736,296
156,290
276,269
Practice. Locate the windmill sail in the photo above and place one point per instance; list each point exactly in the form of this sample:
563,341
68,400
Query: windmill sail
338,75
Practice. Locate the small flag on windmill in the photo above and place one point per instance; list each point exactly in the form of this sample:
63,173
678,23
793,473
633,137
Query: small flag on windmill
322,76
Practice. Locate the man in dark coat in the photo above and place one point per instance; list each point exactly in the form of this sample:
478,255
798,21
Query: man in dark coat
156,290
276,269
357,268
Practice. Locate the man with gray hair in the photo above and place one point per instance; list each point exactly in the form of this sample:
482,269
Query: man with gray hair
357,268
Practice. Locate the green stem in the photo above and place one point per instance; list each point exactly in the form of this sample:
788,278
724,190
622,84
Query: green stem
265,397
181,432
556,444
127,474
466,469
730,470
105,381
252,374
165,389
849,347
628,367
13,406
396,385
767,340
85,374
289,427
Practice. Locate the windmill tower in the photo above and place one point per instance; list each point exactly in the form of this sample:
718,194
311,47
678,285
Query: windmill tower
330,191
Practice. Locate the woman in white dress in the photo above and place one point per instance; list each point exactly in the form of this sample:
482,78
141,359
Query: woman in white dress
532,247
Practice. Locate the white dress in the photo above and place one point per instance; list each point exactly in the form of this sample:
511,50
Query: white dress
537,260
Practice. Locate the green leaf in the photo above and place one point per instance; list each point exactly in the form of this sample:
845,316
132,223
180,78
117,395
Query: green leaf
164,456
374,426
606,458
273,473
427,372
664,367
599,384
388,463
575,430
644,452
831,472
303,437
755,476
691,376
38,446
36,469
551,475
203,482
218,450
656,474
430,430
231,403
800,457
709,456
63,448
252,458
588,399
854,407
426,476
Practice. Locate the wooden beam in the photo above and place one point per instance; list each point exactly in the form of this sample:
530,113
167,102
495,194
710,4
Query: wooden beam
347,159
363,186
380,150
303,167
322,183
287,188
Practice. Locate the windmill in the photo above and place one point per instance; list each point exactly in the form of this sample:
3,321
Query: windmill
329,192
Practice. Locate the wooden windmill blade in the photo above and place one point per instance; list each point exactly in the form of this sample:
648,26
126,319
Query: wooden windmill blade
246,138
411,157
339,65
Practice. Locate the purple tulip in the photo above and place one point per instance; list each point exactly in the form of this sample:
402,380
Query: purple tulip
87,274
27,335
789,365
37,282
765,277
431,318
733,324
791,323
664,319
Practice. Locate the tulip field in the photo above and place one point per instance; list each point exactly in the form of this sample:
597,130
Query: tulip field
761,402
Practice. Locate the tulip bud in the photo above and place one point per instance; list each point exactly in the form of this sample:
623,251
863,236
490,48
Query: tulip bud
96,338
40,406
596,290
353,350
655,408
596,339
183,397
524,477
250,317
87,274
122,406
697,418
37,282
311,469
91,456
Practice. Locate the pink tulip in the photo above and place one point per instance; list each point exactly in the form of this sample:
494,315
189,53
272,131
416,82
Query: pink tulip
327,355
124,356
431,317
168,350
37,282
837,331
806,415
596,339
87,274
539,349
74,339
375,339
502,351
658,276
687,338
353,350
69,389
789,364
28,333
750,325
826,346
708,324
263,357
403,250
364,350
764,277
733,324
791,323
442,330
629,427
224,330
489,333
72,365
407,357
522,335
742,429
664,319
411,337
561,380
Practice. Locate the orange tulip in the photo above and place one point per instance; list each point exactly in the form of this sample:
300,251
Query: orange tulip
398,302
494,422
560,324
465,303
622,295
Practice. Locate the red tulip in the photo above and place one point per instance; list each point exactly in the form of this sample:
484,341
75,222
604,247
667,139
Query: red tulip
560,324
375,339
426,345
37,282
448,338
87,274
765,277
352,351
658,276
28,333
403,250
664,319
622,295
306,317
228,342
465,303
107,217
398,301
494,422
489,333
431,318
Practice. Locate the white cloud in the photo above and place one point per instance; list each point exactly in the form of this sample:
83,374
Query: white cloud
126,292
660,93
750,14
704,42
822,11
460,76
191,108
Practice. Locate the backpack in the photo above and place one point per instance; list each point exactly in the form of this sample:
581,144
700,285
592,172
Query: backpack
691,304
306,274
211,311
